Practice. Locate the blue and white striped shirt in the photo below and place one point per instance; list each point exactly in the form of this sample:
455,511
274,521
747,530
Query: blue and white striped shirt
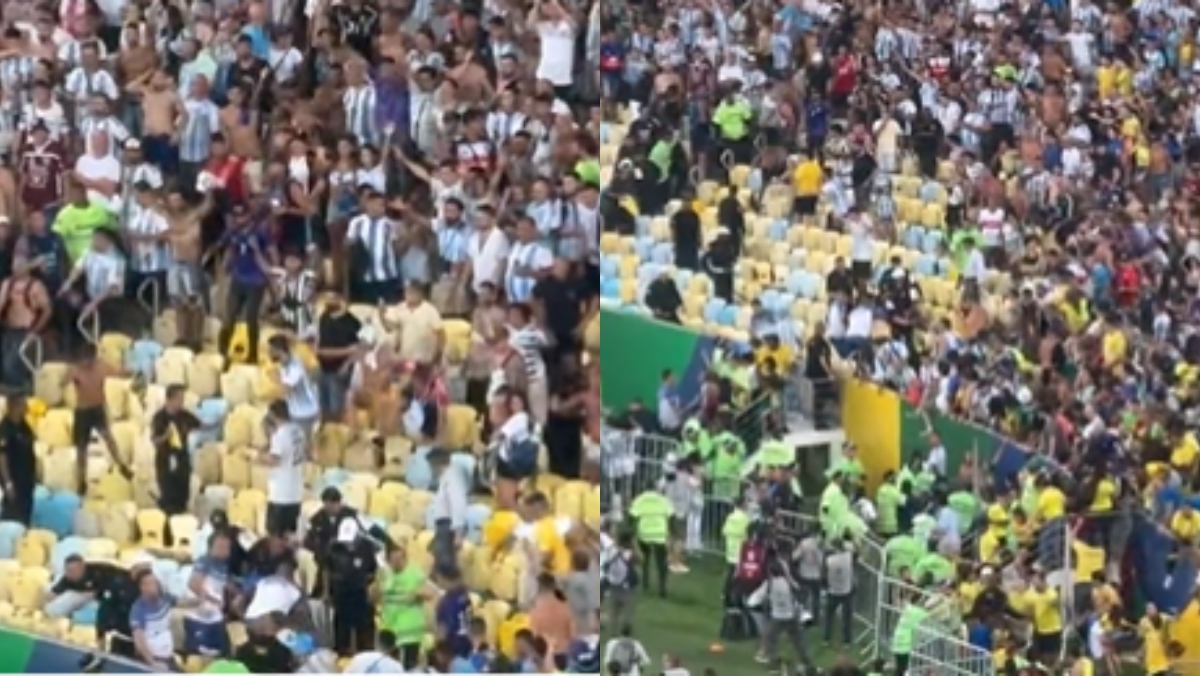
82,86
453,241
525,260
376,235
147,256
546,215
112,127
359,104
104,273
203,120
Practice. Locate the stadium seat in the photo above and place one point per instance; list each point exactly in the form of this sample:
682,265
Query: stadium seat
183,528
64,549
505,580
49,383
415,505
28,589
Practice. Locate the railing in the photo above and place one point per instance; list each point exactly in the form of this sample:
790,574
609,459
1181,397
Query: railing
153,303
89,326
940,653
32,352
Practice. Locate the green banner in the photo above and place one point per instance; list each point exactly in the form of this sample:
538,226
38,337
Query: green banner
636,350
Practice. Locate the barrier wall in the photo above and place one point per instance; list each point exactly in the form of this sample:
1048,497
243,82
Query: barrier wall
636,350
21,652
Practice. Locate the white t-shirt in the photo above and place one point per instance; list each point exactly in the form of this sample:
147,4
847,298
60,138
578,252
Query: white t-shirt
859,323
557,65
102,168
488,254
285,481
373,662
301,393
273,595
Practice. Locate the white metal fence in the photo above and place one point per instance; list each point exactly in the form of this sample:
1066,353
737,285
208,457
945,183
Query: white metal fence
635,462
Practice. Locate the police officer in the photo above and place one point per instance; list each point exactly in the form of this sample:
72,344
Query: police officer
346,550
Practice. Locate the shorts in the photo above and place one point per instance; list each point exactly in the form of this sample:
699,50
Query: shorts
205,638
1047,644
283,519
88,421
677,527
186,281
861,270
805,206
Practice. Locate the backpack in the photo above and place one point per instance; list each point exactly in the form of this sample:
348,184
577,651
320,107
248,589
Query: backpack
523,457
751,567
625,655
619,574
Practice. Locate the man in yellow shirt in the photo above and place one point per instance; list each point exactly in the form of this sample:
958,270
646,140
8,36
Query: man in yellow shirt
807,180
1185,525
1043,608
1051,501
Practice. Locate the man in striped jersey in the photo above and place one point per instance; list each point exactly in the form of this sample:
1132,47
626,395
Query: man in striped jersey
372,239
529,260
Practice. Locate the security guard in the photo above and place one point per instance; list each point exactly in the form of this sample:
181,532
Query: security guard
347,548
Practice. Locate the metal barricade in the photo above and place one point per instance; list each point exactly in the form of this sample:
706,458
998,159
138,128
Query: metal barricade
89,326
938,652
631,462
32,352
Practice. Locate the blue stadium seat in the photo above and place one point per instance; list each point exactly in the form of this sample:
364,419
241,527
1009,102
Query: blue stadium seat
57,513
929,192
926,265
914,237
778,231
141,357
418,473
712,309
784,307
646,273
477,516
610,288
811,285
683,279
10,535
609,267
86,616
643,246
663,253
334,477
769,300
728,315
212,412
64,549
933,239
795,282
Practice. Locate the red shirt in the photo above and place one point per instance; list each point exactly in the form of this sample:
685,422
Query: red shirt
42,170
231,172
845,76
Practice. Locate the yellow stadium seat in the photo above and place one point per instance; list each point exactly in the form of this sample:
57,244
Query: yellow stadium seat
933,216
30,552
629,290
660,229
815,313
29,588
707,192
626,246
49,383
331,442
610,243
8,571
101,549
112,349
739,175
946,171
204,375
55,428
152,528
908,209
82,635
818,262
629,266
401,533
415,504
243,513
396,452
235,468
356,496
171,367
57,628
458,339
810,238
193,664
494,613
183,530
843,245
46,538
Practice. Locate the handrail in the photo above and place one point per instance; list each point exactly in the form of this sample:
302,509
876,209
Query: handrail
89,326
33,341
155,303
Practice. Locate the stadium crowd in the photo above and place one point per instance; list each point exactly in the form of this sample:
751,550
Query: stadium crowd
984,206
299,319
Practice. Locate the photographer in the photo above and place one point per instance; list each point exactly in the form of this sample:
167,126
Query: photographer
784,614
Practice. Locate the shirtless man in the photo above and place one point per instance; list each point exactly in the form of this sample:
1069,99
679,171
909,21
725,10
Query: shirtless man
25,309
88,375
163,118
185,278
240,122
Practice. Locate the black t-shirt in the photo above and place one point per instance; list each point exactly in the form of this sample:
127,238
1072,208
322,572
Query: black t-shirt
265,655
816,356
172,456
359,26
16,441
337,332
115,593
562,300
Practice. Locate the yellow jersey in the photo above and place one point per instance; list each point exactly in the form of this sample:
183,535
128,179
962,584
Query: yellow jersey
1051,504
1154,639
807,179
1043,609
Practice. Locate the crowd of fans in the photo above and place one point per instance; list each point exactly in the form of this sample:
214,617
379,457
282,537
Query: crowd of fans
998,200
393,208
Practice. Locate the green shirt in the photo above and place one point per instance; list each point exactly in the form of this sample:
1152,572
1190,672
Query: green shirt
726,466
77,224
653,512
935,565
660,156
401,608
736,526
889,500
733,119
588,171
902,551
696,439
226,667
834,509
911,618
852,469
966,506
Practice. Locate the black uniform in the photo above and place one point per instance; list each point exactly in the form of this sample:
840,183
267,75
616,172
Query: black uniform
115,593
16,444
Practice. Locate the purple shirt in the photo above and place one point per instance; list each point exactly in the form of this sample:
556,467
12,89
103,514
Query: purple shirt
241,259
